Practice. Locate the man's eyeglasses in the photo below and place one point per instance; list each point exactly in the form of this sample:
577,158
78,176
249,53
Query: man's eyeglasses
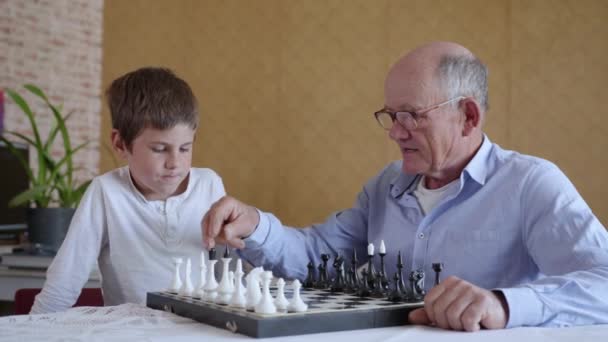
409,120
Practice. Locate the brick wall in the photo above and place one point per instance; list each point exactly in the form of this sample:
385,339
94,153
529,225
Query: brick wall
57,45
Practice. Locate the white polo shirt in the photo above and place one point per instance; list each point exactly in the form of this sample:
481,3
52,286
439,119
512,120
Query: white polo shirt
132,239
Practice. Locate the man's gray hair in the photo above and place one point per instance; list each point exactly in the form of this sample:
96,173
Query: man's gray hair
464,76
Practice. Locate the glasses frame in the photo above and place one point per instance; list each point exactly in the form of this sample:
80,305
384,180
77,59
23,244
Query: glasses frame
414,115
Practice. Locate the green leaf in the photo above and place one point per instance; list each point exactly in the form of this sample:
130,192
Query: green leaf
30,195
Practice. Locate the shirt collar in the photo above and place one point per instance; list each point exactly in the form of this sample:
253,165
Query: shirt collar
476,169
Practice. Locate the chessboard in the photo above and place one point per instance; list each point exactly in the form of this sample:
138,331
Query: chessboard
326,312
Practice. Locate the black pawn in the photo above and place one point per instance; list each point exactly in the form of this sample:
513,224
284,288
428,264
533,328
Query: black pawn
396,295
355,281
400,271
378,291
371,272
338,284
437,267
364,287
212,254
382,274
322,282
309,283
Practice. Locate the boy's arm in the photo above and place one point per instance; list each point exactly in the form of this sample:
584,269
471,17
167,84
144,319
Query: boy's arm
76,257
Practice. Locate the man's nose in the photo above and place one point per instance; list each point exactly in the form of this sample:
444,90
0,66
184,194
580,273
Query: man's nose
398,132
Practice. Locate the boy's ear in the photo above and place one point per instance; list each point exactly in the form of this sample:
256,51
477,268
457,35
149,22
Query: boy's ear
118,144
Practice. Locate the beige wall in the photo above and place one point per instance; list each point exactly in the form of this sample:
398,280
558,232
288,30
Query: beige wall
287,88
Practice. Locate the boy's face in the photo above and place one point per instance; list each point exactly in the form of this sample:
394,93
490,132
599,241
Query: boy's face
159,160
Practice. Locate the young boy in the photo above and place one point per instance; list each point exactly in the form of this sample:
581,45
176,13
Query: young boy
135,219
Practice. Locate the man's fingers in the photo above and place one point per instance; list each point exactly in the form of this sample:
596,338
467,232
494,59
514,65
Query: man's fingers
431,297
419,317
471,316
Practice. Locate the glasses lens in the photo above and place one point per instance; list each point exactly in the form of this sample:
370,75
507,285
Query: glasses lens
385,120
406,120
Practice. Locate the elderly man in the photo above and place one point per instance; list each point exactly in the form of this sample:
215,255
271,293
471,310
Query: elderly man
521,246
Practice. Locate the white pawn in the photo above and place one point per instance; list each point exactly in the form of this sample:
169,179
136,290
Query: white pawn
225,288
176,284
296,304
200,291
266,304
211,282
253,288
280,301
238,296
239,282
187,288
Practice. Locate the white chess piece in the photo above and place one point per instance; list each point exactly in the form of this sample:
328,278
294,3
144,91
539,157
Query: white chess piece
238,296
253,288
239,267
280,301
296,304
200,291
187,288
266,304
211,282
225,288
176,284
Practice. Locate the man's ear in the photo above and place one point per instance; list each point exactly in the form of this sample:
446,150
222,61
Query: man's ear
472,115
118,144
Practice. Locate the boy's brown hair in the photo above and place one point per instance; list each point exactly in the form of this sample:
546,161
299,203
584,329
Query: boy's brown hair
150,97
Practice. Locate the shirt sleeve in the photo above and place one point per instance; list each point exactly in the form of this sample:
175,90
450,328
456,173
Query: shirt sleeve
568,244
287,251
76,257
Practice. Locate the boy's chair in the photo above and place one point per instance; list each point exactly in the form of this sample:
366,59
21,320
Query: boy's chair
24,299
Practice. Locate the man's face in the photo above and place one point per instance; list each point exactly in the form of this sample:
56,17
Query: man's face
433,147
160,161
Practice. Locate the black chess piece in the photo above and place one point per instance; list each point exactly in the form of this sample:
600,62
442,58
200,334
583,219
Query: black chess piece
419,292
402,288
348,281
437,267
371,272
356,281
309,282
382,275
378,291
396,294
227,252
338,283
212,254
412,289
322,282
364,290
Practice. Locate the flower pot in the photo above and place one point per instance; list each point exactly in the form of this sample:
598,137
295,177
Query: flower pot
47,227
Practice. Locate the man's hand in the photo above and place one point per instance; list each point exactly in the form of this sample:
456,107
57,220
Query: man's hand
228,221
459,305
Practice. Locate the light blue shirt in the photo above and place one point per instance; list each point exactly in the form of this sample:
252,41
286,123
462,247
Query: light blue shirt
516,224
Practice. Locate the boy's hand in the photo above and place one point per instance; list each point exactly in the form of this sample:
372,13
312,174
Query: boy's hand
459,305
228,221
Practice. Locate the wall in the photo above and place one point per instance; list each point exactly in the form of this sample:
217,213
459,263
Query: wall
55,45
288,87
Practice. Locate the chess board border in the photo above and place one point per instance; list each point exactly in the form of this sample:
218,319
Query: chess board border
259,326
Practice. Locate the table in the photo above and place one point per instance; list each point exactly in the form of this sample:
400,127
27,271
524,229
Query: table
134,322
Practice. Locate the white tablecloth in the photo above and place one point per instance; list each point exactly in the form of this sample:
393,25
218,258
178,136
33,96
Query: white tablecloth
130,322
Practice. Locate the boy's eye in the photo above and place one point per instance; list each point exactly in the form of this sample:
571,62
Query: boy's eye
184,149
158,149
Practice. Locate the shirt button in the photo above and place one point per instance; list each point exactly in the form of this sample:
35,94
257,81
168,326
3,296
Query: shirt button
421,236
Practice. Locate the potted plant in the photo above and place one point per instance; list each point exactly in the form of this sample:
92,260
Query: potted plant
54,193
